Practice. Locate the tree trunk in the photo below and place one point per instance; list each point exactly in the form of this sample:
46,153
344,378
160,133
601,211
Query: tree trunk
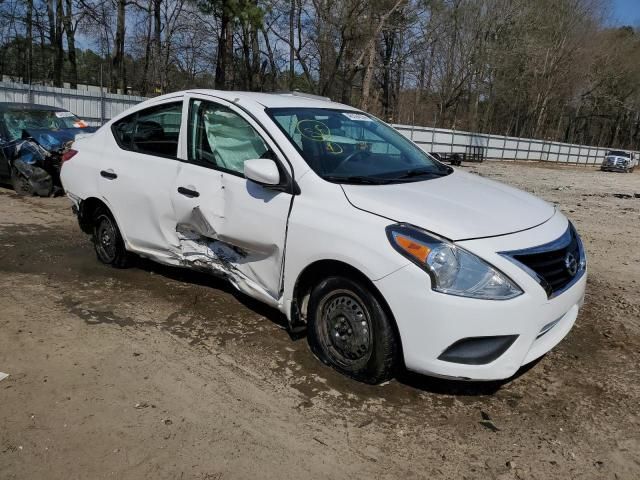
71,43
157,45
292,48
224,63
147,53
368,75
271,57
58,52
29,20
52,36
120,82
389,45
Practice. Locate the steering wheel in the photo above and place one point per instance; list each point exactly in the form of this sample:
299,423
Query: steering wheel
350,157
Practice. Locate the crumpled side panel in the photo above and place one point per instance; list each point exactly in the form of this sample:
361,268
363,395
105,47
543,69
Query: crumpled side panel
208,254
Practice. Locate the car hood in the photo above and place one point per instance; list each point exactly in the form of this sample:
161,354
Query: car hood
459,206
54,140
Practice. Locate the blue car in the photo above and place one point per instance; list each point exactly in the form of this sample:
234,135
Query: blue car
33,139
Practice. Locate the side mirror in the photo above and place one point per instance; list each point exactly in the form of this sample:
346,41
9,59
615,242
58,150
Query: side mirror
262,171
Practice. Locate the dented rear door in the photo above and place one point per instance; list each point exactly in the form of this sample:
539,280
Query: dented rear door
224,222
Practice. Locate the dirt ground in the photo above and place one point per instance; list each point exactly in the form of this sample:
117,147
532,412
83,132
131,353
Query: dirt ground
160,373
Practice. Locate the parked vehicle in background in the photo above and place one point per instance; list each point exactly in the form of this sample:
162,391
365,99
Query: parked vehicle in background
619,161
383,254
33,139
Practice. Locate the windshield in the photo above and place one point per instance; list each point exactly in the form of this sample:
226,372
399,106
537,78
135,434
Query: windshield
618,153
345,146
18,120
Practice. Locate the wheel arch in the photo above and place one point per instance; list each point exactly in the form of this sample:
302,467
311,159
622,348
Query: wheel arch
313,273
86,212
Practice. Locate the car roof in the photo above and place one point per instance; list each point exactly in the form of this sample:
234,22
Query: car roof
27,107
275,100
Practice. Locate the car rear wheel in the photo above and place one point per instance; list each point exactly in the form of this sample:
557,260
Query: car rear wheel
39,182
350,330
107,240
21,185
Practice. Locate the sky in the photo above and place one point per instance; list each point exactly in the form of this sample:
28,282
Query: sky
626,12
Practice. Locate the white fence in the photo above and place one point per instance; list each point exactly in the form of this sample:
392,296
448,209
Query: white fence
93,107
96,108
500,147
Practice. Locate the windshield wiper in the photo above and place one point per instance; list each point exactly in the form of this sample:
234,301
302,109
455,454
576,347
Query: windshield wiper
421,172
357,179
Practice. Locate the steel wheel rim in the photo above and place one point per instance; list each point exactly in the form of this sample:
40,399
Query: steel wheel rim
106,239
345,328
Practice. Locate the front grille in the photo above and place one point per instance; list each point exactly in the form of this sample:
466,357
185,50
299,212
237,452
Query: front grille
616,162
555,265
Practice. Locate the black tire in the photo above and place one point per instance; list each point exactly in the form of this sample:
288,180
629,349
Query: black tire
20,184
107,240
349,330
39,182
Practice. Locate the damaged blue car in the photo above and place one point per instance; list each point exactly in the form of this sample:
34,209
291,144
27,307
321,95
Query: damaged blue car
33,141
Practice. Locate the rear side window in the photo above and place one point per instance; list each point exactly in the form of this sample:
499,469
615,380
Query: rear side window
153,131
123,130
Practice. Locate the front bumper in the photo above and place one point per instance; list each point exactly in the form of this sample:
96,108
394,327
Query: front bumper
429,322
614,168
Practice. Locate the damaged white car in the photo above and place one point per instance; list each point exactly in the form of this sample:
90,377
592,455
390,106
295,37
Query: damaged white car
384,255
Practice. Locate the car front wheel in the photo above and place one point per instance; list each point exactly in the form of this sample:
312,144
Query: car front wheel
350,330
107,240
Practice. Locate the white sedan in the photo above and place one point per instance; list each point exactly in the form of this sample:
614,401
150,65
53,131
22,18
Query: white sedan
385,256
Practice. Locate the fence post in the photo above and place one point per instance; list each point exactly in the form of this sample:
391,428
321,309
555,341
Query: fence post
453,136
504,146
413,122
548,144
579,154
433,137
102,101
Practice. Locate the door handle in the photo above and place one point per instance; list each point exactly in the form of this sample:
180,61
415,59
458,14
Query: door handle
108,174
187,192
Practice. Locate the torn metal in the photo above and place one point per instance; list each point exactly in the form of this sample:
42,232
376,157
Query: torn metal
36,158
208,254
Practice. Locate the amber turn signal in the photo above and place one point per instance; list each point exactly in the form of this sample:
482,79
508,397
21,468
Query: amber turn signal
417,250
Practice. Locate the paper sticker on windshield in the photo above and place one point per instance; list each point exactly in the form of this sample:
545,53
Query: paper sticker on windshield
357,116
64,114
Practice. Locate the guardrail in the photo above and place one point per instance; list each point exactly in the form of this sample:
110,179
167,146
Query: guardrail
97,107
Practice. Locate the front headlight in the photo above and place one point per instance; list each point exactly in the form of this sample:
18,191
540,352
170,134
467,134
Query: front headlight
453,270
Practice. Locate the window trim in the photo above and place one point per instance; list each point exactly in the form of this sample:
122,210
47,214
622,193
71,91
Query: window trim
135,115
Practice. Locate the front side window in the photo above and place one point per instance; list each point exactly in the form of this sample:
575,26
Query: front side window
222,139
345,146
154,131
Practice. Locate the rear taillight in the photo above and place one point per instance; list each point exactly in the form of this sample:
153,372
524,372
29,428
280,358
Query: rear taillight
68,155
